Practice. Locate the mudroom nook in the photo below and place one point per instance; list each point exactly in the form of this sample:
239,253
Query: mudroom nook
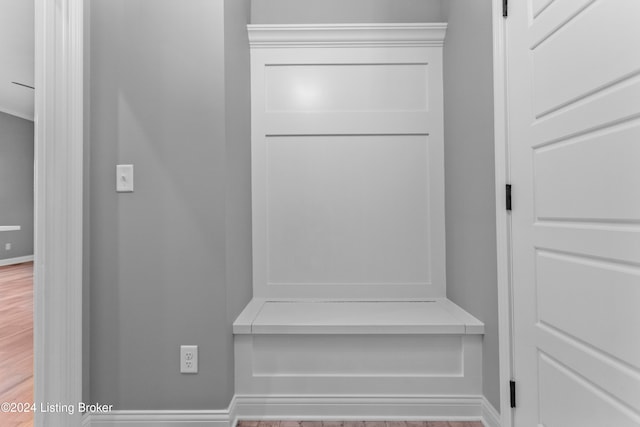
349,283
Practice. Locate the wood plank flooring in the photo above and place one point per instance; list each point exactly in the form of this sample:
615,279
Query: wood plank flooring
243,423
16,341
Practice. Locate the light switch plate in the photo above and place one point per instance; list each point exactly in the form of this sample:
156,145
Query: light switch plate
124,178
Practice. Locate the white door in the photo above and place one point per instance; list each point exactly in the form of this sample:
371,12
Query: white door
574,139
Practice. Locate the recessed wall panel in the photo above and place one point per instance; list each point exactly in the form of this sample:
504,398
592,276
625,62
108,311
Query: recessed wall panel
348,209
593,301
349,356
347,162
346,87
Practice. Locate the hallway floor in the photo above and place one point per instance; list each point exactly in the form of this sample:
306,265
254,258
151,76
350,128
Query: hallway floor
359,424
16,341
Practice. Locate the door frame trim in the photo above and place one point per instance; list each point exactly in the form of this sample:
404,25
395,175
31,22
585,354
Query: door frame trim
503,218
58,208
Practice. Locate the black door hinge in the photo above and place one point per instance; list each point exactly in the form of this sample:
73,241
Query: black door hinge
508,196
512,389
505,8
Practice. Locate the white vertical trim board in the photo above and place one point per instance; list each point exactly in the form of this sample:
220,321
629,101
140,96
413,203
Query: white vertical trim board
503,218
16,260
58,208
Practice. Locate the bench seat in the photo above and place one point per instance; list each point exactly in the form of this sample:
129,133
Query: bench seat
429,316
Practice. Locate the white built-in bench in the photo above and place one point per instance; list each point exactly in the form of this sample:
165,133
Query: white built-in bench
336,347
349,317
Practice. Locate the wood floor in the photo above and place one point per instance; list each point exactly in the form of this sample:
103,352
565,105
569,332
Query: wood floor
359,424
16,341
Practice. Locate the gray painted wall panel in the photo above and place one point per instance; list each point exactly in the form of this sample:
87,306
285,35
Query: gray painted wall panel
469,173
16,185
238,195
344,11
238,127
158,261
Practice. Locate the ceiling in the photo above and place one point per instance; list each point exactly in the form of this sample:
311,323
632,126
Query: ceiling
17,57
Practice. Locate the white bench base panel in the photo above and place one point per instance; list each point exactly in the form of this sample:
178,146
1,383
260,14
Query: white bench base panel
357,348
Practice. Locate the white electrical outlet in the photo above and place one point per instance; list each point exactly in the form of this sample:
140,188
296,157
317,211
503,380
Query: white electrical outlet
7,247
189,359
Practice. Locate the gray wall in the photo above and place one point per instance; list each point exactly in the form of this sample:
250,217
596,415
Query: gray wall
161,273
16,185
171,263
238,126
238,191
469,173
344,11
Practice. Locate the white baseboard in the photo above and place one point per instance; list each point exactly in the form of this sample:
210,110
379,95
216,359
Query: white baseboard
18,260
456,408
427,408
219,418
490,416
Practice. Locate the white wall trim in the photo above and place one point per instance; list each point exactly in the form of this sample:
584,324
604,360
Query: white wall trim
16,114
213,418
58,208
163,418
346,35
10,228
17,260
233,411
490,416
503,219
388,408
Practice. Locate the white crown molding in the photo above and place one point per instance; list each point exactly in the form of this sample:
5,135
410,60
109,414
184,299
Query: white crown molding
346,35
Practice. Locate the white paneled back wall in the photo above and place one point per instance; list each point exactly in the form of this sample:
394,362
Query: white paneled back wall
347,152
